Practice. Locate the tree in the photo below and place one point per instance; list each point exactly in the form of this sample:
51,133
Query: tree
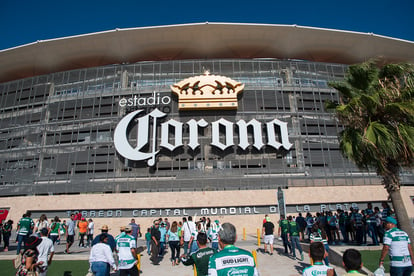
376,109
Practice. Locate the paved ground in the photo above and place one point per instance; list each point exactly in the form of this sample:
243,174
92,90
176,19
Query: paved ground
278,264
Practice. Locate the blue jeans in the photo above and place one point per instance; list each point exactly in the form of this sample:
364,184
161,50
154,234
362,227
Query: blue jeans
148,247
194,247
100,268
326,259
162,247
401,271
286,243
20,239
372,232
294,240
344,233
185,247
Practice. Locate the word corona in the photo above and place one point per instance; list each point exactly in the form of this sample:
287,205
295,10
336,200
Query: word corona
175,128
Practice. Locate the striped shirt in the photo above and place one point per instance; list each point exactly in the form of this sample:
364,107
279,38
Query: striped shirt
398,242
124,244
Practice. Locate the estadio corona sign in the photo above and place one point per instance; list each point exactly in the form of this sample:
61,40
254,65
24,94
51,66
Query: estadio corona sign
204,92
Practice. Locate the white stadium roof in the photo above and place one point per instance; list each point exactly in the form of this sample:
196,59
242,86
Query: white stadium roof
200,41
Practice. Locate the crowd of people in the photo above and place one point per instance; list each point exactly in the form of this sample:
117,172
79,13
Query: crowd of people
209,245
343,227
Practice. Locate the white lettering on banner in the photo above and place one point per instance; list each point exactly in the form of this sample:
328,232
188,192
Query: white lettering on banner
175,128
203,211
155,99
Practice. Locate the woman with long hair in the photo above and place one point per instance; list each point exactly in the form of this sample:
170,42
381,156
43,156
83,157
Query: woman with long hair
173,239
29,257
40,224
54,229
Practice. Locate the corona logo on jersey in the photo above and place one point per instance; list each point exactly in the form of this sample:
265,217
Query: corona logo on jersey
207,92
136,135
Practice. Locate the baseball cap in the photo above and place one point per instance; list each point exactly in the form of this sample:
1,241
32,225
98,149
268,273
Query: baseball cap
391,220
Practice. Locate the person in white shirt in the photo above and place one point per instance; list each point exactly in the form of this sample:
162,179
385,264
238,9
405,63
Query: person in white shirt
101,258
189,229
46,251
91,227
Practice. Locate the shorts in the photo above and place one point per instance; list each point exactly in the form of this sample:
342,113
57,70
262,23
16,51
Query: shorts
70,239
268,239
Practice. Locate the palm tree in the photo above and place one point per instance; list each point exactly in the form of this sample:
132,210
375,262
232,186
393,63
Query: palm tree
376,109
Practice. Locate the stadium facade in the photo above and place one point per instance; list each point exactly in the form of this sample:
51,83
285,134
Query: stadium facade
91,123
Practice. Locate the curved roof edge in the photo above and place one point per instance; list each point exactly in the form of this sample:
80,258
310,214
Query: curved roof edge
200,41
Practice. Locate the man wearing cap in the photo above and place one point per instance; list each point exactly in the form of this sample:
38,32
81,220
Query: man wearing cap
111,240
122,232
398,245
163,233
127,253
45,248
155,242
231,260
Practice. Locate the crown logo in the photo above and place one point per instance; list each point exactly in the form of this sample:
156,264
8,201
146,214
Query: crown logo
207,92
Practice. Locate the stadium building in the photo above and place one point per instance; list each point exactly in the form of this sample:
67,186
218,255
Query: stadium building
226,121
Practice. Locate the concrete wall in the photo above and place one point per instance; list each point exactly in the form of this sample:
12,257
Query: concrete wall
293,196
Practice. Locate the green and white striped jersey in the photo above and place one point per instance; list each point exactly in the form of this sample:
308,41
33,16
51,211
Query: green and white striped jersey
398,241
232,261
124,243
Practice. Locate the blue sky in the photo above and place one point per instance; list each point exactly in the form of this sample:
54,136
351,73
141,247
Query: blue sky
26,21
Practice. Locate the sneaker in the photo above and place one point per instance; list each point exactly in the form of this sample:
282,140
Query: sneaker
5,250
271,254
301,256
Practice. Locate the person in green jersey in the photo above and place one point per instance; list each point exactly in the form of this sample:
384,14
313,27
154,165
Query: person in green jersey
54,229
283,233
294,238
231,260
24,229
148,240
317,253
352,262
127,253
398,245
201,257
